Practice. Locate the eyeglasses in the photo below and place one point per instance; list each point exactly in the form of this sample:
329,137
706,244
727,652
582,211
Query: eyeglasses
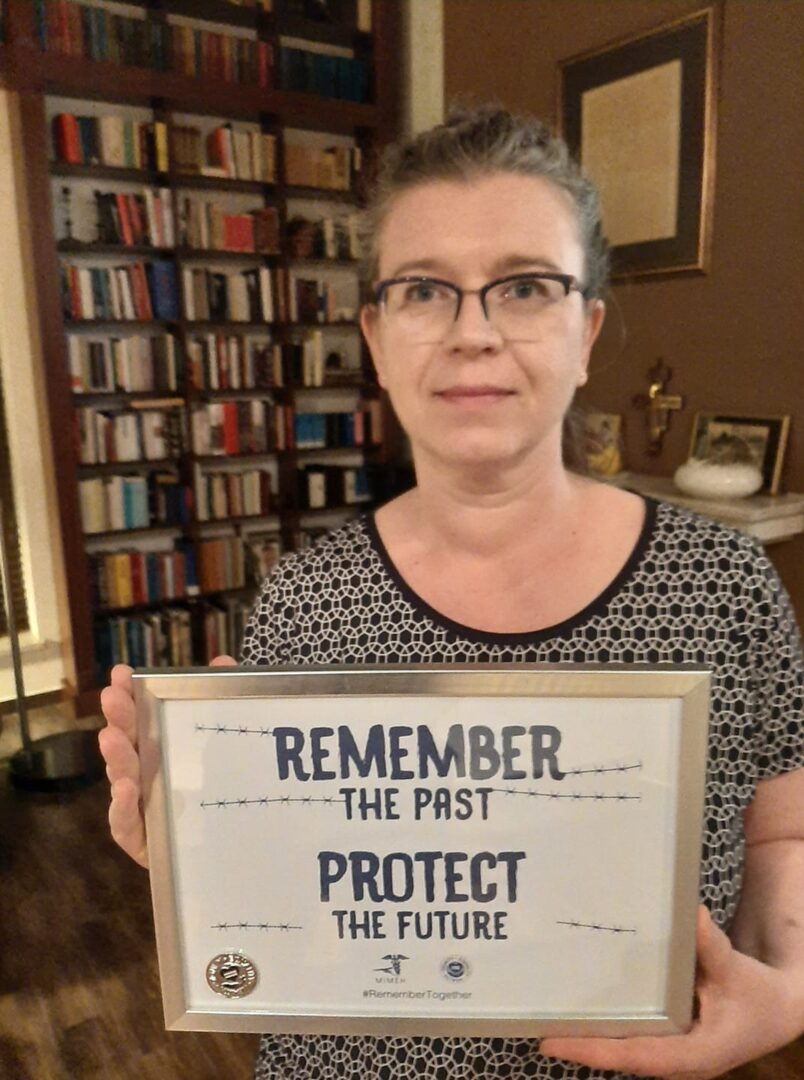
424,308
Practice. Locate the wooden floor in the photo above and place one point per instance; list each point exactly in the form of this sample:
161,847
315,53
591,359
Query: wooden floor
79,991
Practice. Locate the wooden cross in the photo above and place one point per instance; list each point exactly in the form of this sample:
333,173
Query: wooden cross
658,405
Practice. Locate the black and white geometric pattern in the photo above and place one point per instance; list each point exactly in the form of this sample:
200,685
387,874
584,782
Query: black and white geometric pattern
691,592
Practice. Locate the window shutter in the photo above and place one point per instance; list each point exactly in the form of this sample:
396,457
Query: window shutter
17,585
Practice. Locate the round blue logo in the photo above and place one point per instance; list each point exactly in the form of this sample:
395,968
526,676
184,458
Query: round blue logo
455,968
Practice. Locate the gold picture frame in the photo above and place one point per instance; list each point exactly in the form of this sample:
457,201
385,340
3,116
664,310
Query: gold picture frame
640,115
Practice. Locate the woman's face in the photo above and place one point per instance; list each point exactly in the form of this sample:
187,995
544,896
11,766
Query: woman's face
474,398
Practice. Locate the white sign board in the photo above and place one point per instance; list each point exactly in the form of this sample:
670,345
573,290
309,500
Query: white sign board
487,850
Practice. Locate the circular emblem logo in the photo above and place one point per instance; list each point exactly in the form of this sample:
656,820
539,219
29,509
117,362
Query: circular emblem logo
455,968
231,974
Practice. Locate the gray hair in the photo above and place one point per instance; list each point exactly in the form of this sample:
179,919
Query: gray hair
478,141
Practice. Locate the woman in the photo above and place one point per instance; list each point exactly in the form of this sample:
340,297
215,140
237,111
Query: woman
487,270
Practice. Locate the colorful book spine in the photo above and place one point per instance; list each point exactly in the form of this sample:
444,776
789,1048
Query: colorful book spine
133,291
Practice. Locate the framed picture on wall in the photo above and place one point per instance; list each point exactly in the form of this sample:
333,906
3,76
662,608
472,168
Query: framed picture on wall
762,439
603,443
640,116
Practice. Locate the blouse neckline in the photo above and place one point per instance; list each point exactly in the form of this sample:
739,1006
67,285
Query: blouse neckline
561,629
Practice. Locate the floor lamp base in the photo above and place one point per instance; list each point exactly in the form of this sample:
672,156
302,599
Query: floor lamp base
60,762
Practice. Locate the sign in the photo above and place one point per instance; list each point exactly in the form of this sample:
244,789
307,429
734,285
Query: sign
496,849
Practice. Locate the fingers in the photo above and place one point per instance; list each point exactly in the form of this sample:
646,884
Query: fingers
652,1056
117,705
121,676
122,760
118,745
125,820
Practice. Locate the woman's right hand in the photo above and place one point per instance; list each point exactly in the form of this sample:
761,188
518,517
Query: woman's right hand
118,745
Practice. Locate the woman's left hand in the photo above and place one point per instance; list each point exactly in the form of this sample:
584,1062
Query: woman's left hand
744,1011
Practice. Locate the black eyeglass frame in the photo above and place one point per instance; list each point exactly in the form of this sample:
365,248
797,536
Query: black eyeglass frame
569,281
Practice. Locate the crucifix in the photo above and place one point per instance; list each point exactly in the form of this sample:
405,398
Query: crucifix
658,405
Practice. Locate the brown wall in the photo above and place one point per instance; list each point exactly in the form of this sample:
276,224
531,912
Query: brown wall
733,336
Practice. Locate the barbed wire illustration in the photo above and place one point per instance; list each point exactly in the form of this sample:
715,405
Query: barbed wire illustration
574,796
598,770
268,800
254,926
577,925
240,729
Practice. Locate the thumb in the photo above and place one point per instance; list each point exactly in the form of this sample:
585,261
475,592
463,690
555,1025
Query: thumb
223,661
714,947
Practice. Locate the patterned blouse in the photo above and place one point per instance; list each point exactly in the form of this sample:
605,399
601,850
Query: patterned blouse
690,592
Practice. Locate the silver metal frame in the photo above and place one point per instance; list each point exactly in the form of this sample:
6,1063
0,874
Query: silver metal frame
686,683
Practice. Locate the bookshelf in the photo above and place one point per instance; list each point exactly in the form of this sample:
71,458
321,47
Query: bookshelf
194,241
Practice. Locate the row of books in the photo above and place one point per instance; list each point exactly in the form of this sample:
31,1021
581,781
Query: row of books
144,434
121,579
221,564
206,225
253,296
230,362
226,152
228,57
112,140
221,495
129,578
234,362
93,33
327,430
346,78
224,626
312,300
331,486
326,238
135,219
158,639
123,364
242,153
114,503
251,426
335,167
234,427
133,291
84,30
331,430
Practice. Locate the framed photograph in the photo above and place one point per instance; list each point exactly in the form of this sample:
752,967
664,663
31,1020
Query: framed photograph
639,114
761,439
603,443
500,849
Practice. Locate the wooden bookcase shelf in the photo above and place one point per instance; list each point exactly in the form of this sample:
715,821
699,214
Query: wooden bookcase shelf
114,324
217,11
106,88
106,172
196,182
213,255
76,247
321,194
106,468
132,534
110,398
235,519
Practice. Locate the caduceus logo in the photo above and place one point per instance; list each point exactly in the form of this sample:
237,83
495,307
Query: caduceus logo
394,963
